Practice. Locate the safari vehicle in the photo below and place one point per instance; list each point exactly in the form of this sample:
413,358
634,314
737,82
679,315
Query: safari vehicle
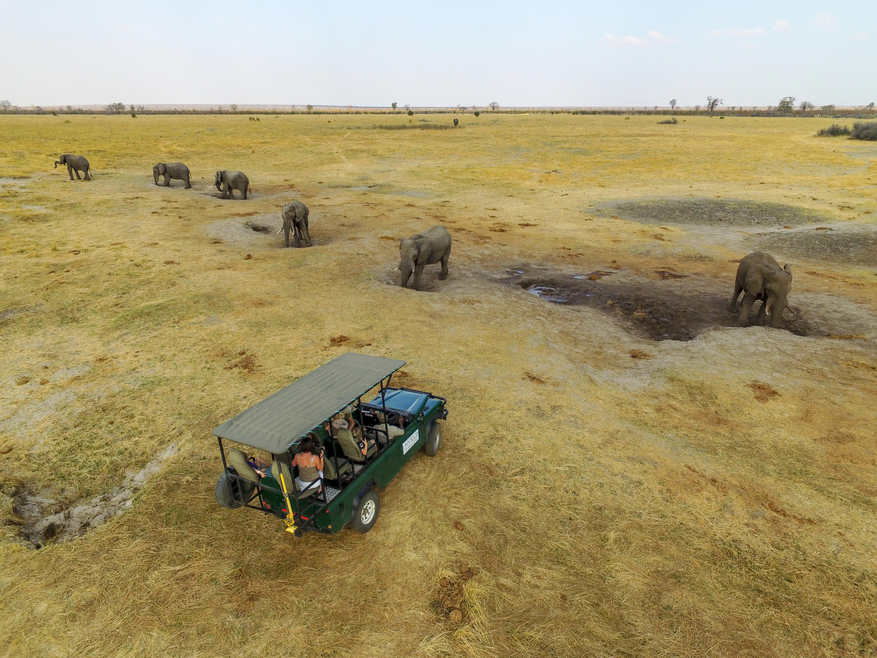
394,423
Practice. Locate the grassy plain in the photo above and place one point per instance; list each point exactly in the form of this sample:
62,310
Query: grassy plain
618,495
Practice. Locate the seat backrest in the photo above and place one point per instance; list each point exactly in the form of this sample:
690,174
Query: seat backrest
348,445
329,470
279,469
239,461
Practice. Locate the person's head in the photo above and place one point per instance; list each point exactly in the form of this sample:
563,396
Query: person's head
308,444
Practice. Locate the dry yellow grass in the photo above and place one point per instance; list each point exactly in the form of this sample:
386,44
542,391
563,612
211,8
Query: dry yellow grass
611,495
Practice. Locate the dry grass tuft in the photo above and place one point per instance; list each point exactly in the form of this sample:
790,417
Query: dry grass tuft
763,392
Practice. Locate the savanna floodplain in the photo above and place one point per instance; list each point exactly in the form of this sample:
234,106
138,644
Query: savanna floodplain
623,471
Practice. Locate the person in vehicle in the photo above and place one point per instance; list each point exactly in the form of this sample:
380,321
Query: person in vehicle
259,465
389,432
349,424
309,460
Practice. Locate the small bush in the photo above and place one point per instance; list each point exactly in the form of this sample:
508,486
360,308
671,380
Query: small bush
411,113
865,130
834,130
478,114
668,121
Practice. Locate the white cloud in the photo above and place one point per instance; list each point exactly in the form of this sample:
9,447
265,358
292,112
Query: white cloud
824,21
124,28
652,38
782,26
859,36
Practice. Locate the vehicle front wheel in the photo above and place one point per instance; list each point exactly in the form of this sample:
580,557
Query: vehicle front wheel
230,493
433,440
366,512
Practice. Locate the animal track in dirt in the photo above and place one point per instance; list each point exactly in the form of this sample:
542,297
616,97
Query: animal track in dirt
37,528
660,305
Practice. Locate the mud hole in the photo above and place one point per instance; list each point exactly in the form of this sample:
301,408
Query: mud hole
713,212
665,305
256,231
38,529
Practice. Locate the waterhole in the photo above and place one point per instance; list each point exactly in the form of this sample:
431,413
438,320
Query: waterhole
660,305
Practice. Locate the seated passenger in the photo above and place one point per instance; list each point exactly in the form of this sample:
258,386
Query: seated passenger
355,448
310,465
259,465
389,432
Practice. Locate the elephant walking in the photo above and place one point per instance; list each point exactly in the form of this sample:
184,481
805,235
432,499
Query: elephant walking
761,278
228,181
172,170
74,163
418,251
295,219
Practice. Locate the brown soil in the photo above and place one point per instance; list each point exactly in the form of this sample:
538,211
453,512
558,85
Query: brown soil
713,212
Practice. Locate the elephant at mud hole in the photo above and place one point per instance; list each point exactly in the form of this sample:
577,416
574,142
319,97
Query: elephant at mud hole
228,181
171,170
762,279
74,163
418,251
295,219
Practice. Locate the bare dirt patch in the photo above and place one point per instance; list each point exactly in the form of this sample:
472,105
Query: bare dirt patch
713,212
851,245
258,231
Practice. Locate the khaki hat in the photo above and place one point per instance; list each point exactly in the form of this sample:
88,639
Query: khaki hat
339,424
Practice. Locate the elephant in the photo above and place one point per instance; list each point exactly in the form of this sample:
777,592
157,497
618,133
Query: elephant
74,163
295,218
172,170
761,278
456,122
418,251
228,181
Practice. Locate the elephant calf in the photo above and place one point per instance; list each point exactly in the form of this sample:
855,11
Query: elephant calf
74,163
418,251
228,181
295,219
171,170
761,278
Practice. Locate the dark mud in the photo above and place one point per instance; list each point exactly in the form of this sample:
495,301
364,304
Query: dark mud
662,305
853,246
714,212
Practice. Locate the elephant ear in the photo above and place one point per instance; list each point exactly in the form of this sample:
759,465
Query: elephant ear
788,268
755,279
162,168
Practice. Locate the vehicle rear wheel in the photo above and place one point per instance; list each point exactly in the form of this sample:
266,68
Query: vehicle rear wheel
231,493
433,440
366,512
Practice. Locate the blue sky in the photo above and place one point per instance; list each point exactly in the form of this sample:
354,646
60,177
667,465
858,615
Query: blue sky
549,53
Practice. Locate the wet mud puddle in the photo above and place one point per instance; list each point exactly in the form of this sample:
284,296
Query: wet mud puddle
658,305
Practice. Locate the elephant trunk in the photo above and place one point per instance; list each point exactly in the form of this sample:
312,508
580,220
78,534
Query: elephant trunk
57,162
404,274
775,308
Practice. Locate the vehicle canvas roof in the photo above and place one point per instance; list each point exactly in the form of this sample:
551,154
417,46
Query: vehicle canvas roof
277,421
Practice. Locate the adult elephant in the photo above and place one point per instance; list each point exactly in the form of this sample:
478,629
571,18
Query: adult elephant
171,170
418,251
228,181
295,219
762,279
74,163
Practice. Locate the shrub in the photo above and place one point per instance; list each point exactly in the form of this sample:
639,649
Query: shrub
834,130
669,121
865,130
411,113
478,114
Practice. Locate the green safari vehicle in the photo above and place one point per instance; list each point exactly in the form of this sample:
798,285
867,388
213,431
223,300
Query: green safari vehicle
367,430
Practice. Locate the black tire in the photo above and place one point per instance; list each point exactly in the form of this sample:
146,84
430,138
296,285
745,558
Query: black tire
366,513
433,440
232,493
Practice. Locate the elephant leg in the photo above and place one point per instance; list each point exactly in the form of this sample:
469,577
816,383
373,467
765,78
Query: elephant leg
418,271
188,184
762,313
286,235
70,172
78,177
748,300
244,192
167,180
444,273
306,235
732,305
